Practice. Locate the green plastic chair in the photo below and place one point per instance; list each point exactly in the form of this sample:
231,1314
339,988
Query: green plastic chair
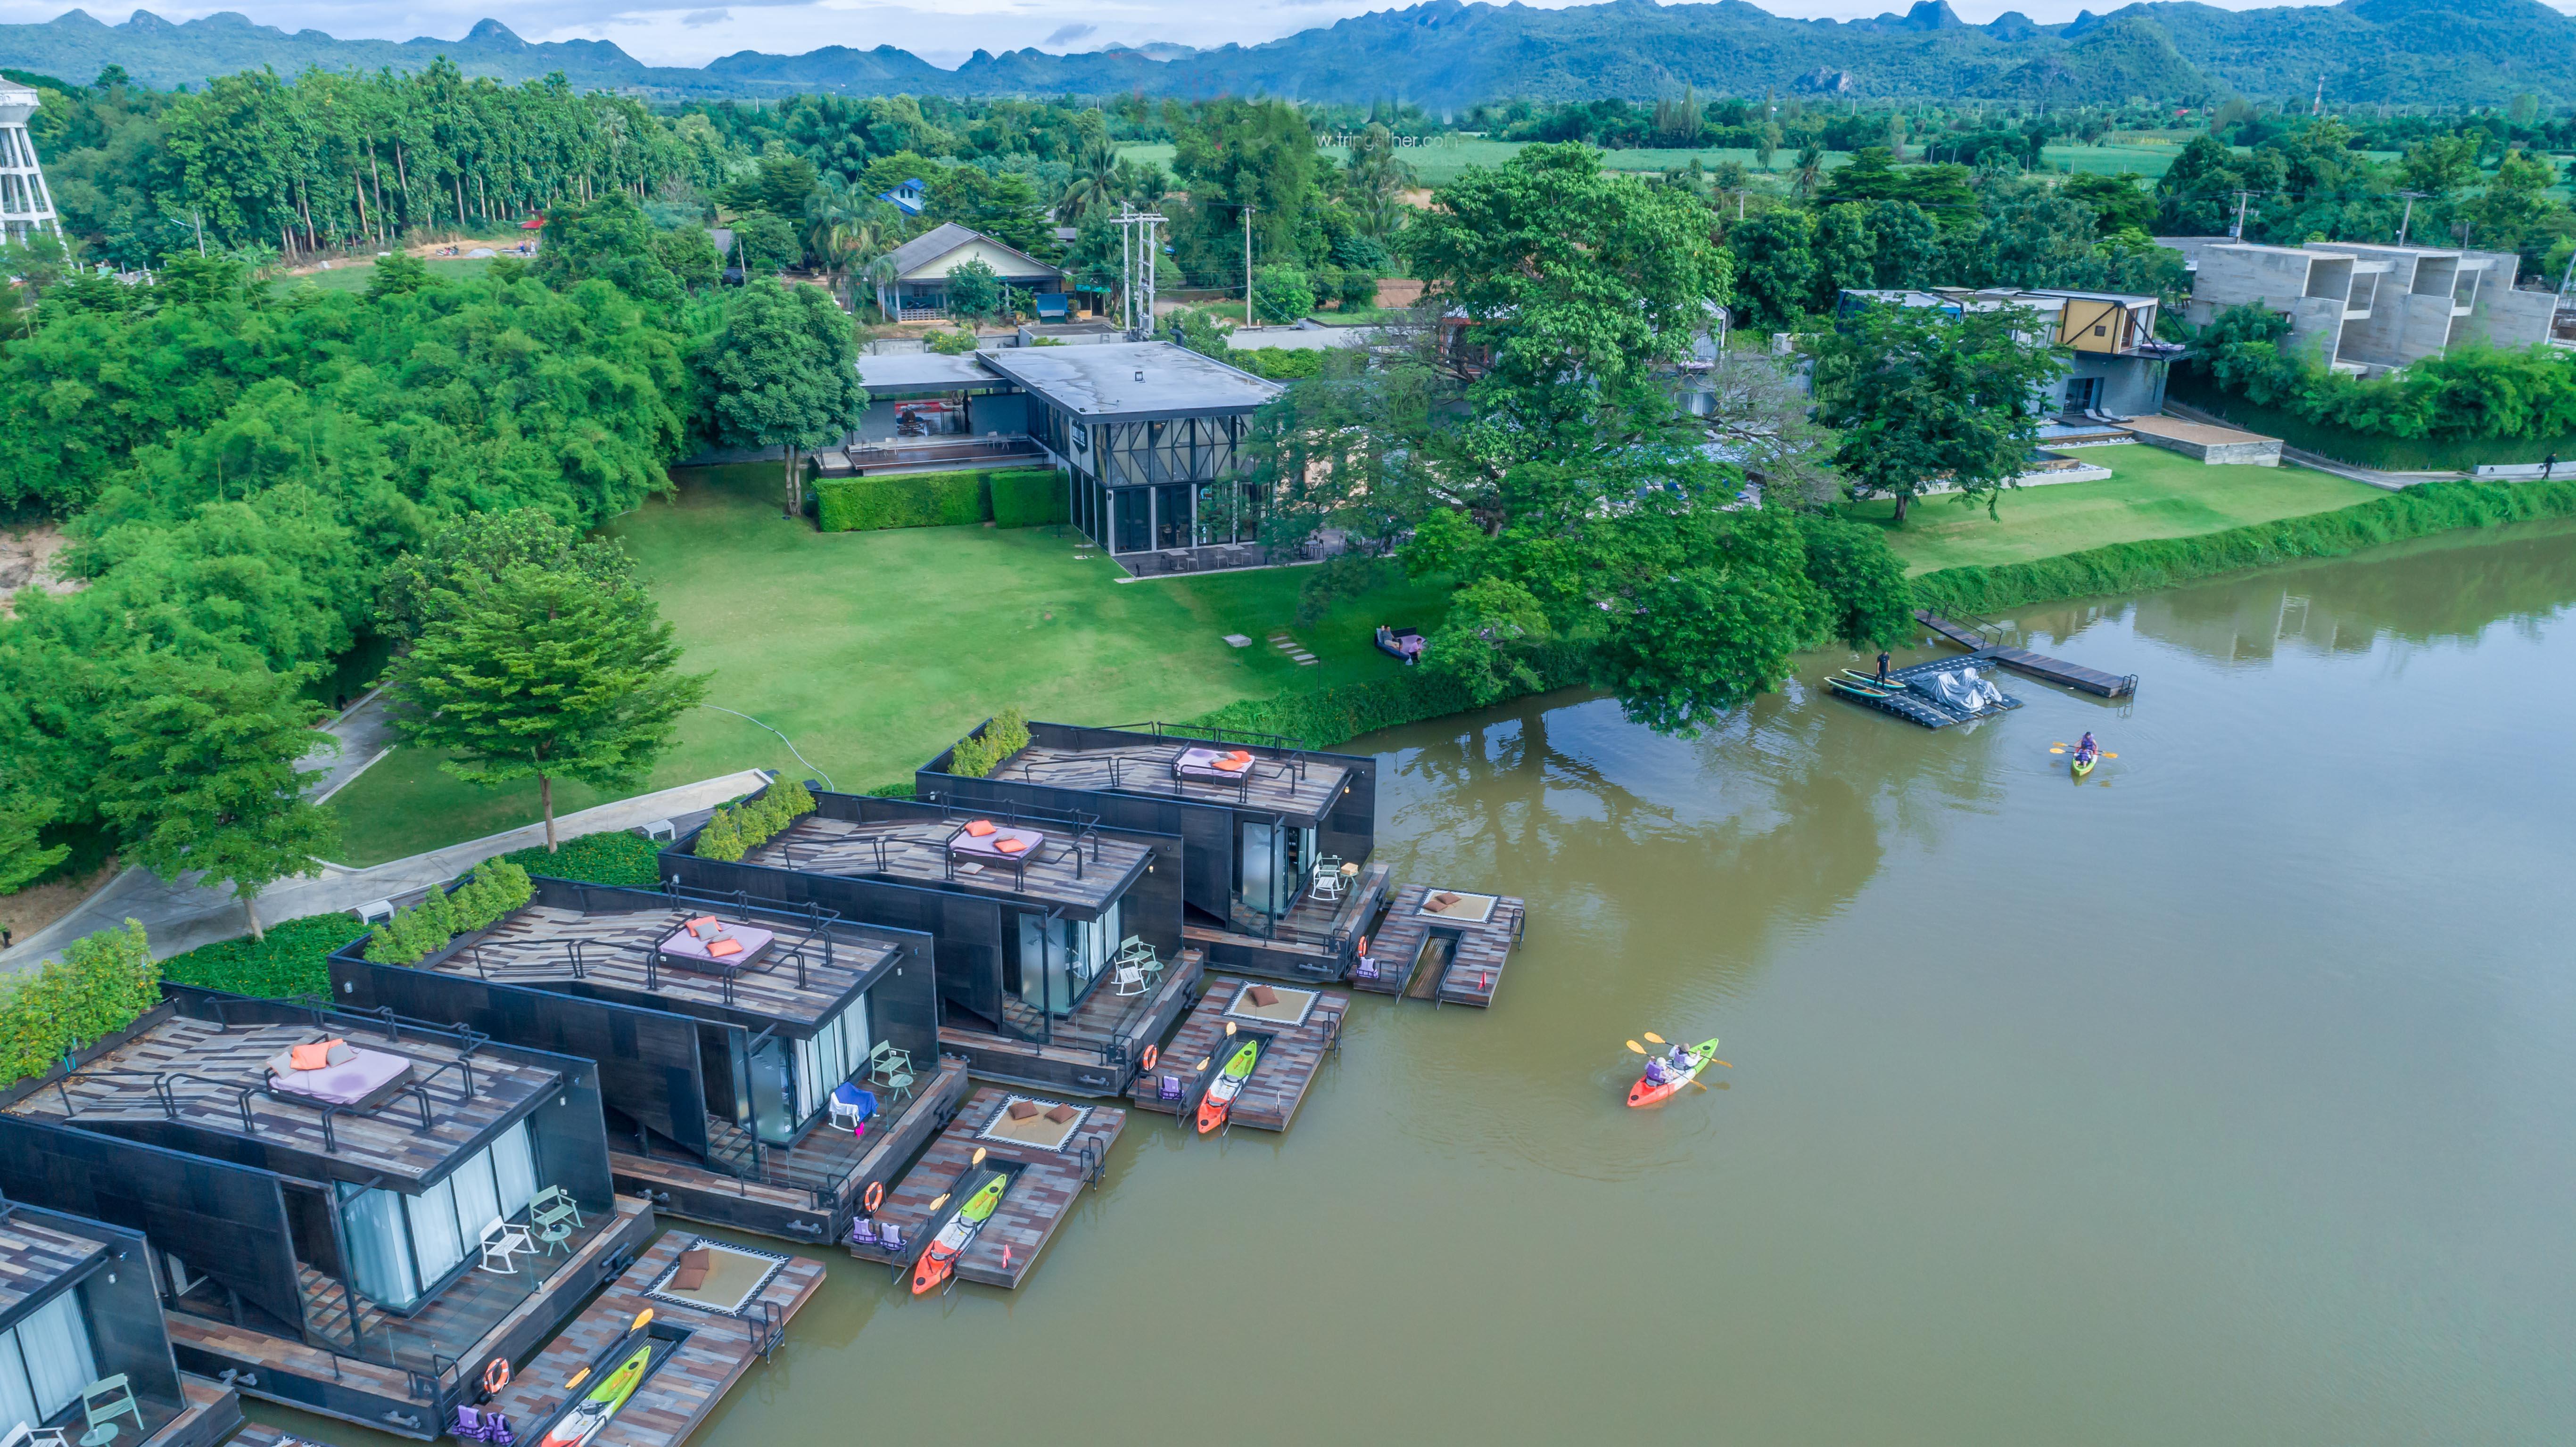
553,1204
102,1402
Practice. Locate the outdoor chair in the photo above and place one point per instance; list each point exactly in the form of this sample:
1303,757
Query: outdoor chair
556,1235
1130,980
551,1199
885,1060
1133,951
499,1240
851,1108
23,1435
102,1402
897,1076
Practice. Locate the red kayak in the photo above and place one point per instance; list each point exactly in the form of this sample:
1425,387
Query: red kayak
1650,1091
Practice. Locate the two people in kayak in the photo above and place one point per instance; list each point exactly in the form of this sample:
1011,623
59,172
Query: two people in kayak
2085,748
1670,1066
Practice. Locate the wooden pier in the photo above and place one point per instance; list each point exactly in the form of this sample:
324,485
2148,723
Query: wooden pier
1298,1027
1913,705
2036,665
1094,1051
713,1349
1450,952
1048,1175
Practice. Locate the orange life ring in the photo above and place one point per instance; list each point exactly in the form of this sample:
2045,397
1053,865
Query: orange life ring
1152,1055
875,1196
1363,949
496,1376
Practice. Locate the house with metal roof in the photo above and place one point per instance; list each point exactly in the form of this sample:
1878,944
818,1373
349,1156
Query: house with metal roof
915,288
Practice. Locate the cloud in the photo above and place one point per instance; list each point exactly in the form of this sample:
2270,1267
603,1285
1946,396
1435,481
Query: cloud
696,18
1067,34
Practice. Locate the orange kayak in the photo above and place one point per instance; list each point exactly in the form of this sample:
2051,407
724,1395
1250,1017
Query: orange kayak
1219,1100
940,1261
1650,1091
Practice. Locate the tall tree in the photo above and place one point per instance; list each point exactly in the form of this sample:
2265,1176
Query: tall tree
784,373
542,673
479,546
1923,397
201,776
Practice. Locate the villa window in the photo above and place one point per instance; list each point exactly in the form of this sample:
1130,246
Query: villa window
399,1246
832,1055
45,1360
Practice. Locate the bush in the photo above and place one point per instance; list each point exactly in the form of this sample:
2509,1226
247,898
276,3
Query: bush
2364,449
905,790
979,753
1282,292
1326,717
951,344
2128,567
733,832
905,500
495,888
721,839
1279,364
97,988
292,961
1028,497
2473,392
620,857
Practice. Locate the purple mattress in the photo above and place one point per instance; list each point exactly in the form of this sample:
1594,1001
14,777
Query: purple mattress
353,1080
989,847
687,946
1201,764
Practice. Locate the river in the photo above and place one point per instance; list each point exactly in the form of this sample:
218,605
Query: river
2221,1098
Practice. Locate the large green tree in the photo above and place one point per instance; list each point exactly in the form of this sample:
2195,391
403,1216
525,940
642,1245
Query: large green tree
1924,397
480,546
784,373
201,775
542,673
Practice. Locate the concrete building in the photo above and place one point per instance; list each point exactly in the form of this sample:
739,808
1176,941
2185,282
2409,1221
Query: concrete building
26,207
917,287
2366,309
2116,368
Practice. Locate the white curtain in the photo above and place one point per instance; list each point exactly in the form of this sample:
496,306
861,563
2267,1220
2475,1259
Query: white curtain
478,1200
379,1247
514,1165
17,1398
435,1235
854,1037
55,1342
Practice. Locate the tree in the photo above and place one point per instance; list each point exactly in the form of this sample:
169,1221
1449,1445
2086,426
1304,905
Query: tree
1906,245
784,373
539,673
1810,171
765,244
482,545
1924,397
24,855
1775,269
1282,293
609,239
974,289
1844,253
201,775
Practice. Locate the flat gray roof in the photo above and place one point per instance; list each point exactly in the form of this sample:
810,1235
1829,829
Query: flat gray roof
1132,381
915,372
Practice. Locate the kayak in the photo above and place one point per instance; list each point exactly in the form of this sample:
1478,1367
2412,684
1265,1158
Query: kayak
1858,690
1647,1092
957,1235
576,1427
1219,1100
2083,764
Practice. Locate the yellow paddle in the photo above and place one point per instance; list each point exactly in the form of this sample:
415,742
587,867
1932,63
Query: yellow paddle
1640,1049
1657,1039
1229,1027
641,1317
576,1379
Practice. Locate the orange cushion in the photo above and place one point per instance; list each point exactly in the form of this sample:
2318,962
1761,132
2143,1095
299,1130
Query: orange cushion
979,828
1010,846
702,920
1022,1110
1234,766
722,948
1060,1114
314,1056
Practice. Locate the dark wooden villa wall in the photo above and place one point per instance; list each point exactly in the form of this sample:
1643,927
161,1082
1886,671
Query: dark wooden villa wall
124,1313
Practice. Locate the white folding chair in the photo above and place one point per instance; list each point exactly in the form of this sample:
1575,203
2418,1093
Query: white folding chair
499,1240
1130,980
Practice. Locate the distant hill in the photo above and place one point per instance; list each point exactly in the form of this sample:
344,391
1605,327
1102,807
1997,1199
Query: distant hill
1448,54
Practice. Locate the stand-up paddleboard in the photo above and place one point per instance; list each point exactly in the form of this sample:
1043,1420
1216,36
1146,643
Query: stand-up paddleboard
1219,1100
940,1260
576,1427
1648,1090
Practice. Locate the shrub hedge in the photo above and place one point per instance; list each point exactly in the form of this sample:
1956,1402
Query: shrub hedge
97,988
2366,449
620,857
1014,497
978,754
494,889
2420,511
290,962
733,832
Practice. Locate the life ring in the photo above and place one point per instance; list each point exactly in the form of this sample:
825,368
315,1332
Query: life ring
875,1196
496,1376
1363,944
1151,1055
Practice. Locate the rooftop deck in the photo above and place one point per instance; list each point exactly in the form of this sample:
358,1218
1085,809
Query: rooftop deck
805,972
208,1077
34,1256
1297,786
1082,870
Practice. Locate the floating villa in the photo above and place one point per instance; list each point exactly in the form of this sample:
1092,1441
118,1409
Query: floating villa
82,1348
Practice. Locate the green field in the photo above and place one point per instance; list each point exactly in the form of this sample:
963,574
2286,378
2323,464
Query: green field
874,651
2151,494
353,275
2148,161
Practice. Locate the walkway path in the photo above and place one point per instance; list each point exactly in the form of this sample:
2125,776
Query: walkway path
182,915
365,735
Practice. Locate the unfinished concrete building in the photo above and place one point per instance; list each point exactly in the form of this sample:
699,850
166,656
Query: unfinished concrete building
2365,309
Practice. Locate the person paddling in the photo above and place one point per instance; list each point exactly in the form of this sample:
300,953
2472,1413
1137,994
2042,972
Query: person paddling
2085,748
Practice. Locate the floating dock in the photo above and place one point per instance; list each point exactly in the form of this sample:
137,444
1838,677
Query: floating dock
1917,707
1444,945
2023,661
714,1334
1298,1028
1050,1161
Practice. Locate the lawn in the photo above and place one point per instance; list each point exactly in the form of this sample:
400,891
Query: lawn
2151,494
874,651
354,275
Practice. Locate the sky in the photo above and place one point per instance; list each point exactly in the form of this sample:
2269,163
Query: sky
944,33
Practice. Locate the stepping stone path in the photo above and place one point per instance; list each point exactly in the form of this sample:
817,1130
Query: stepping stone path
1293,649
1237,640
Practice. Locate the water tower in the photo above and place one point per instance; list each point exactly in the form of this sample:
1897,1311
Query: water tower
25,205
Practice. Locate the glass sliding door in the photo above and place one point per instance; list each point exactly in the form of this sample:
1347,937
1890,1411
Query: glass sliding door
1259,855
45,1360
1133,527
399,1246
1173,526
832,1054
773,1117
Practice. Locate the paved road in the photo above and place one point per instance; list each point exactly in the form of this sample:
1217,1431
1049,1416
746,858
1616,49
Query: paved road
365,734
180,915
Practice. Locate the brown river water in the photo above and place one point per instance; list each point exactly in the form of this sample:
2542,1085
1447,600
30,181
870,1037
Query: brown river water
2225,1097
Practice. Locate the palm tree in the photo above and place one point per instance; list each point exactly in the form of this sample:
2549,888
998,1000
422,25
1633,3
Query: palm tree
1810,172
1095,183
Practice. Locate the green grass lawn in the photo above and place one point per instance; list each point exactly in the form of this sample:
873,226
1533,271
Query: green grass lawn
2151,494
2147,161
874,651
354,274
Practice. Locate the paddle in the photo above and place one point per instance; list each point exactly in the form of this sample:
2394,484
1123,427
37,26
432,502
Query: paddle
576,1379
1640,1049
1657,1039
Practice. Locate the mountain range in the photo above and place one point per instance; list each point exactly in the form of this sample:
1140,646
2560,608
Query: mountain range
1445,54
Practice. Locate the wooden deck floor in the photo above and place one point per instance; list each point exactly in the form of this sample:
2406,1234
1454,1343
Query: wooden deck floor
2035,665
1469,973
1047,1184
680,1393
214,1410
1290,1059
1096,1048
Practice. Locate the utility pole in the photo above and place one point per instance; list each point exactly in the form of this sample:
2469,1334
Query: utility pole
1247,263
2237,232
1136,270
2409,218
2317,107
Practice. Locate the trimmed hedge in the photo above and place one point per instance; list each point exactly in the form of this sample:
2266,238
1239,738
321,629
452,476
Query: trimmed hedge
495,888
620,857
291,961
1028,497
2421,511
100,984
2364,449
1014,497
1326,717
